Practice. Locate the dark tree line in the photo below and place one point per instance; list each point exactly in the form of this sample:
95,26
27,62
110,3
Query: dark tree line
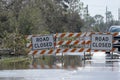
24,17
39,16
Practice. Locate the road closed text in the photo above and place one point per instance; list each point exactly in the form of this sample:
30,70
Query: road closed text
42,42
101,42
41,45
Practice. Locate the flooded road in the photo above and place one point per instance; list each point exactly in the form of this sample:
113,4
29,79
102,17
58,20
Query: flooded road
54,74
94,69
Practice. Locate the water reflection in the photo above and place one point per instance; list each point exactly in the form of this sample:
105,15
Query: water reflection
51,62
67,67
45,62
100,63
62,62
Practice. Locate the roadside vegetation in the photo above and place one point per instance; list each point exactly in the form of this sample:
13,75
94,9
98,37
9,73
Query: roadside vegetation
19,18
14,63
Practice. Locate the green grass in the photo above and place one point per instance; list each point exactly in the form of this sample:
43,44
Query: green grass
14,60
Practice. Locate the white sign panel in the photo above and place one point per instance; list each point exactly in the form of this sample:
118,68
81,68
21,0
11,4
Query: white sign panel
101,42
42,42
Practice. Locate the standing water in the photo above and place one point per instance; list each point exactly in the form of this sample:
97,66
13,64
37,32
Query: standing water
99,57
72,68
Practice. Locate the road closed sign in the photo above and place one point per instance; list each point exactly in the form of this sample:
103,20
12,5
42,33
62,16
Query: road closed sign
42,42
101,42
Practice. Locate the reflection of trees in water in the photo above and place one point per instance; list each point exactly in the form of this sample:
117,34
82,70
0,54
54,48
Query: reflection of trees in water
67,60
73,61
44,60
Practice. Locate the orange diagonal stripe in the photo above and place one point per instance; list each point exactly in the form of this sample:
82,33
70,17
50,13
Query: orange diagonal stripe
95,50
83,42
76,42
62,35
60,42
108,32
81,50
70,34
103,51
68,42
58,51
115,34
88,50
30,46
50,52
35,52
88,42
43,51
113,49
65,50
78,35
113,41
73,50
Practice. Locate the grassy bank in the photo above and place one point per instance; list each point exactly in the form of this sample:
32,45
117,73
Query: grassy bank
14,63
15,60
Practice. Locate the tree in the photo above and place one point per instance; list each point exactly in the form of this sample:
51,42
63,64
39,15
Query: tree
24,17
98,19
99,23
73,10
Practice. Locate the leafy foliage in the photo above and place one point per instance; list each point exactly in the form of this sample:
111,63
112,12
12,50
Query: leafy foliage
23,17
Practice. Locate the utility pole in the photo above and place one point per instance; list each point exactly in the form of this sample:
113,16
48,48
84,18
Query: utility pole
87,18
106,17
119,15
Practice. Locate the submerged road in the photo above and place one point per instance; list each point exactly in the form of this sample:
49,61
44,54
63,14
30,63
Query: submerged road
96,69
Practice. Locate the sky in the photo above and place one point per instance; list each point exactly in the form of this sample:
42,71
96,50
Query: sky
99,7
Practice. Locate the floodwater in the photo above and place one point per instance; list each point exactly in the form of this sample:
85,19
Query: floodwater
98,68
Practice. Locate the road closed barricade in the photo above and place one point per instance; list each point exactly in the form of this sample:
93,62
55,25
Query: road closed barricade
71,42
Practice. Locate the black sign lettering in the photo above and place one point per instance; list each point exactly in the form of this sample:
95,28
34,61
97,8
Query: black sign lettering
50,43
109,45
96,38
93,44
38,39
101,44
101,38
47,38
40,45
35,45
42,39
43,42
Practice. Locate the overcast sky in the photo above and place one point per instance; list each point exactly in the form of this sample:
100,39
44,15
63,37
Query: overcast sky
99,7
